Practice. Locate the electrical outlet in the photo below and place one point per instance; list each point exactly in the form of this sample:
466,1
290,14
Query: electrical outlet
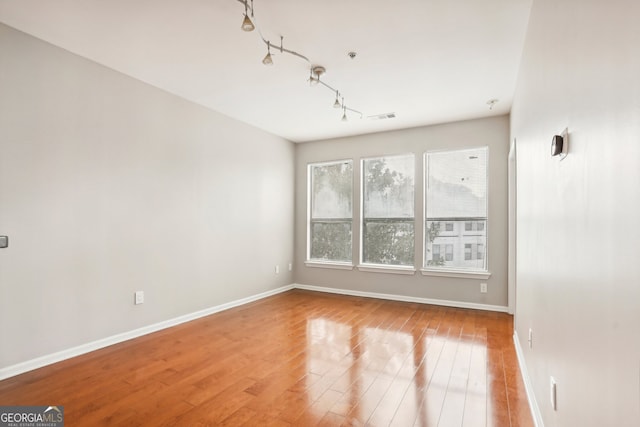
553,393
483,288
530,338
290,267
277,269
139,297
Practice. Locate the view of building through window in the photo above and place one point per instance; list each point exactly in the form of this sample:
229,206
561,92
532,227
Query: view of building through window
456,209
330,223
388,210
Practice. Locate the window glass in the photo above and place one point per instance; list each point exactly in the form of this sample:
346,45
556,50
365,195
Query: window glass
456,192
330,222
388,210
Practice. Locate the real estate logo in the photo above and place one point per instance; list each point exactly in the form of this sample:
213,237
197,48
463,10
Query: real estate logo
31,416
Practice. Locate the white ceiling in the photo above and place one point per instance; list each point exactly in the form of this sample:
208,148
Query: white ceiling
427,61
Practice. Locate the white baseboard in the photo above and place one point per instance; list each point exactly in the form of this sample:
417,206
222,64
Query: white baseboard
531,397
59,356
404,298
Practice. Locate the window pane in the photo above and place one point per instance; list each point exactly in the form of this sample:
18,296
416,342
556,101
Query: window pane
457,184
331,196
331,211
388,187
388,242
388,210
456,192
331,241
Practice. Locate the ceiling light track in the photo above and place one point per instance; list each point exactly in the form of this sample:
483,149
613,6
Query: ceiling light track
249,24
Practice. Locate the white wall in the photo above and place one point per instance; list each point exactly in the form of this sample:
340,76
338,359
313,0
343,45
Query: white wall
492,132
578,281
108,186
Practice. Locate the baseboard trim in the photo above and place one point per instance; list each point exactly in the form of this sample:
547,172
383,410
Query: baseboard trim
39,362
49,359
531,397
404,298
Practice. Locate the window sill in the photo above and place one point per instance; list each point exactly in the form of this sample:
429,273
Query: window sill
329,264
457,273
392,269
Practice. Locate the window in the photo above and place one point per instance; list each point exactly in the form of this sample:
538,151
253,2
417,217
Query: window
448,253
330,211
388,210
473,251
456,192
436,253
448,226
473,226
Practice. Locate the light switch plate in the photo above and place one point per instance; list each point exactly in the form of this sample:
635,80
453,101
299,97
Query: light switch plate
4,242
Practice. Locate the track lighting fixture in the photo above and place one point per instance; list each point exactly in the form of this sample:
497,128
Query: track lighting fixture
247,25
267,59
316,71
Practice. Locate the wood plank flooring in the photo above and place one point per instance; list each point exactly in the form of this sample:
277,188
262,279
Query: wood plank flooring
296,359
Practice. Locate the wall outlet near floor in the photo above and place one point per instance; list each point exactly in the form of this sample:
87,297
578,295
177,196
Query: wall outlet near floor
553,395
138,297
483,288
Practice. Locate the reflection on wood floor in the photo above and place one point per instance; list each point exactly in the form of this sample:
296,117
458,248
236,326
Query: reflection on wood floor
299,358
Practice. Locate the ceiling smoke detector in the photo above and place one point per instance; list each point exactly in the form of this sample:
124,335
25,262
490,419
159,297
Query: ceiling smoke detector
352,54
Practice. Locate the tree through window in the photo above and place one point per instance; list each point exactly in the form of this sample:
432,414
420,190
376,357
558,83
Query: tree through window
330,219
388,210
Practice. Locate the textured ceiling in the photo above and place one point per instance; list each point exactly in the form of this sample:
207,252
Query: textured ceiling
427,61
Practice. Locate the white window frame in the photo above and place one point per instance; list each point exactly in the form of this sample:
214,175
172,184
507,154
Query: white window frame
454,272
311,262
384,268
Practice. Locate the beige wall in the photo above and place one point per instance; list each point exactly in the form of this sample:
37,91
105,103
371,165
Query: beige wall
108,186
491,132
578,280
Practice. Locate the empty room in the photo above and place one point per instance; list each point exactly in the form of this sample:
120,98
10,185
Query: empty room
330,213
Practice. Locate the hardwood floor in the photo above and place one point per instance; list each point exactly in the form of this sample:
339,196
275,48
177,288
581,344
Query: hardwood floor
299,358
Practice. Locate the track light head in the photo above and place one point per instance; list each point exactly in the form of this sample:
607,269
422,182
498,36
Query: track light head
336,104
267,59
247,25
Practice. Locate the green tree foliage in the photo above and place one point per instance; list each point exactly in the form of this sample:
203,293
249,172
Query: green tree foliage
389,243
331,241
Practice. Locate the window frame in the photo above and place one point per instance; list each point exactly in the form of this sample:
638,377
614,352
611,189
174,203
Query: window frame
316,262
452,271
376,267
